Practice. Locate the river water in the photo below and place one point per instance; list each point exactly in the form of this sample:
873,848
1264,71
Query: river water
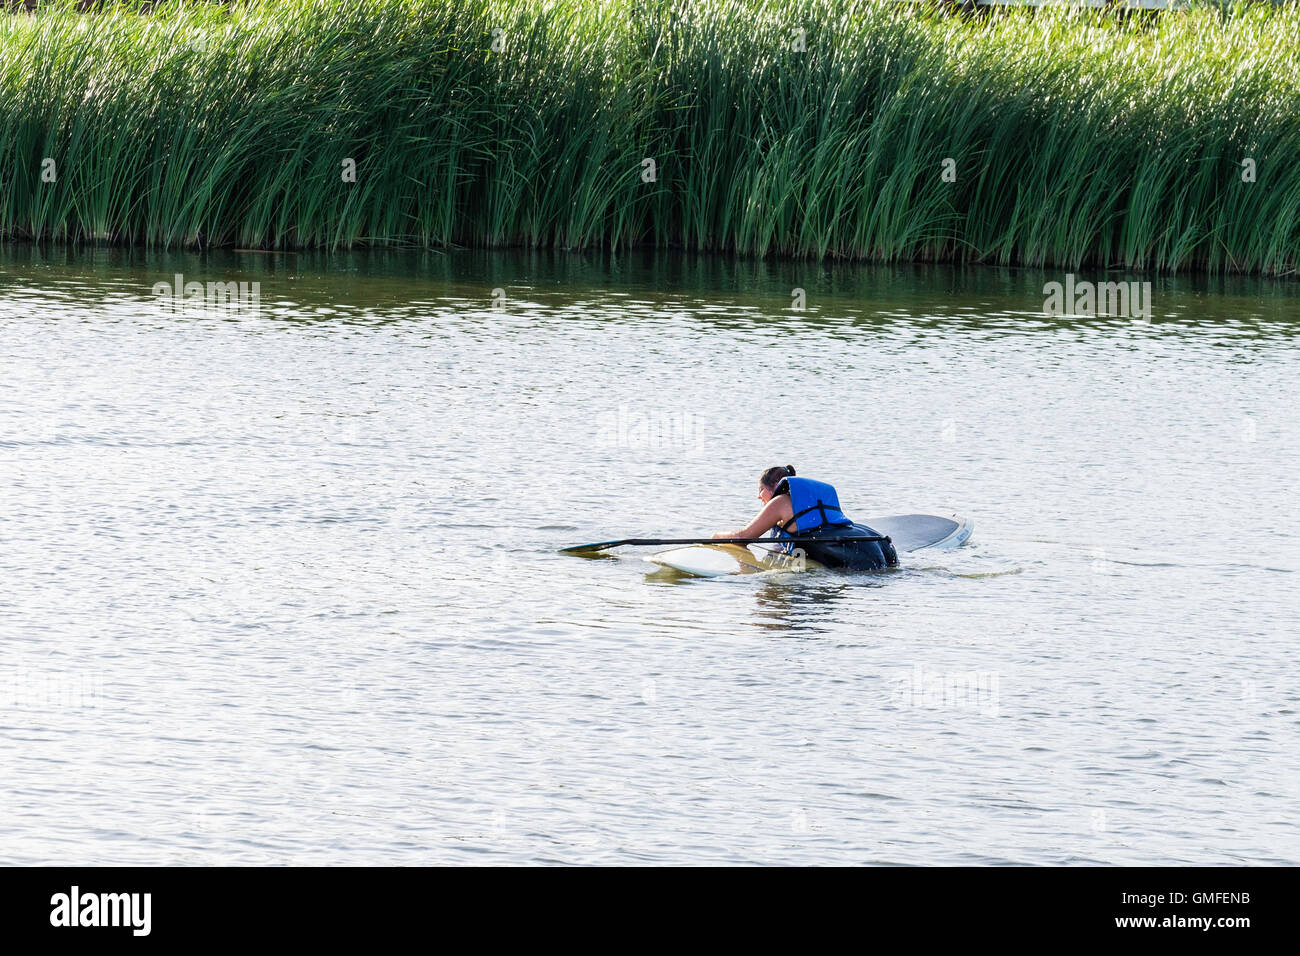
279,581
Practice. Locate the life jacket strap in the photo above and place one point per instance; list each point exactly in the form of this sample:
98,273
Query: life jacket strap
821,507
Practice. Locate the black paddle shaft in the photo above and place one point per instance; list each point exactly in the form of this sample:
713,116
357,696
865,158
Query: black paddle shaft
603,545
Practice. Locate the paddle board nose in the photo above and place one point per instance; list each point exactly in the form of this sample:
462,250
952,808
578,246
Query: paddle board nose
710,561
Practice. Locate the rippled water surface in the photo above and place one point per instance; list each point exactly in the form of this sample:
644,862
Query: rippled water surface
282,586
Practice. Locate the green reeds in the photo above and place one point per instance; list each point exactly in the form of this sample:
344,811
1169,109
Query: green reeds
790,127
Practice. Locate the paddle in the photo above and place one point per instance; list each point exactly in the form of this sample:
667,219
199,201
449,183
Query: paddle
603,545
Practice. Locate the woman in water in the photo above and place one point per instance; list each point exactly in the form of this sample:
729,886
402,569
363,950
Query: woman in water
805,508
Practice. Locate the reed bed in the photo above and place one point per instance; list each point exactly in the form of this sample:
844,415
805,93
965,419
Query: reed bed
1076,137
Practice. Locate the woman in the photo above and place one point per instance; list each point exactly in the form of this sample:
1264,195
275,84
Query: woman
805,508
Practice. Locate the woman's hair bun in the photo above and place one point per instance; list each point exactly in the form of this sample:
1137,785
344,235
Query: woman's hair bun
773,476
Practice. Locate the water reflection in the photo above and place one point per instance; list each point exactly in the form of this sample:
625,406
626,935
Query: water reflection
808,604
696,291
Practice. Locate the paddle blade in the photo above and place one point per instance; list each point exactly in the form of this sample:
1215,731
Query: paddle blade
586,548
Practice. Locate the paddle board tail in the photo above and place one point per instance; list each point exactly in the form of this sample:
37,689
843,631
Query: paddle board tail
916,532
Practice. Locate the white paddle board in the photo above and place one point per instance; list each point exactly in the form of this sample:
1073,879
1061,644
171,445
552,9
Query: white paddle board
712,560
914,532
908,532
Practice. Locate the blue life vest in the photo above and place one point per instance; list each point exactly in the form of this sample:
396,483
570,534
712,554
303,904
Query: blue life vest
817,514
814,503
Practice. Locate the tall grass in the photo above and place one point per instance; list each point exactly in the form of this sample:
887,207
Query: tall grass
1077,137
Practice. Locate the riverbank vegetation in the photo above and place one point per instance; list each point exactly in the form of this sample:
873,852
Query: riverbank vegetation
841,128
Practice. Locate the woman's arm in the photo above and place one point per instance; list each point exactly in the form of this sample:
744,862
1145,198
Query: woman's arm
778,509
